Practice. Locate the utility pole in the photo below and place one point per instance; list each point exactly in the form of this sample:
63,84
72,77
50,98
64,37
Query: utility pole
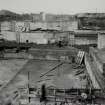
55,96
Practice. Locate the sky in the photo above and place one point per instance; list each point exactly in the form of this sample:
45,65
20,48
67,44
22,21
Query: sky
53,6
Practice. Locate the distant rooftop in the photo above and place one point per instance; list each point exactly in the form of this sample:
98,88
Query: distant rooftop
91,15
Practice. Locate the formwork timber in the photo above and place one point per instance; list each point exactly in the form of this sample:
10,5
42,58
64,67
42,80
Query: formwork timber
97,78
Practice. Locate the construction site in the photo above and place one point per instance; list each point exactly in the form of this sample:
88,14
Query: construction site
44,65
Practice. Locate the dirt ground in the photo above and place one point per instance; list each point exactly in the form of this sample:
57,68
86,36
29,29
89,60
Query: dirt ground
8,68
61,77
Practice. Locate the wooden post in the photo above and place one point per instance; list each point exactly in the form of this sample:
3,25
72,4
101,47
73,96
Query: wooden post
0,26
55,95
28,86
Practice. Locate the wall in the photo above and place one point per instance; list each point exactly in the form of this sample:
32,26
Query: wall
66,26
59,17
63,25
37,37
101,40
37,17
66,36
84,41
60,35
55,25
11,36
71,39
14,26
19,26
73,25
6,26
35,25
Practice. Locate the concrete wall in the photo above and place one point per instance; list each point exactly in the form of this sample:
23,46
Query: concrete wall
101,40
6,26
37,37
60,35
12,26
11,36
66,26
21,26
53,25
37,17
84,41
56,25
50,36
35,25
73,26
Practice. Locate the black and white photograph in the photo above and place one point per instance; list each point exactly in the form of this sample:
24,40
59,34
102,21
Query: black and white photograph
52,52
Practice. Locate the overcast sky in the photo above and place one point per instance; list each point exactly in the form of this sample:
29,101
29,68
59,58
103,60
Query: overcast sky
53,6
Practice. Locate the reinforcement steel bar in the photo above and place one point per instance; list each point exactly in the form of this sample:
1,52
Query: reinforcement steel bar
52,69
